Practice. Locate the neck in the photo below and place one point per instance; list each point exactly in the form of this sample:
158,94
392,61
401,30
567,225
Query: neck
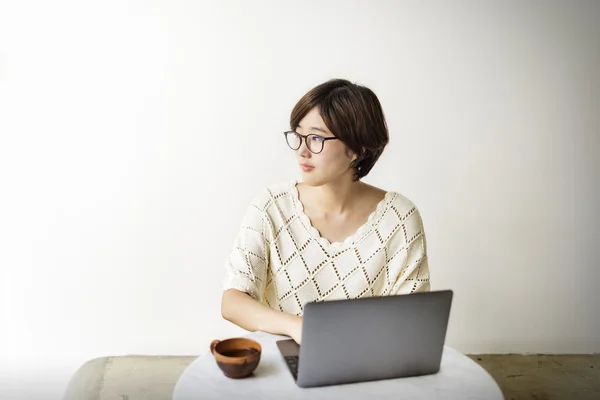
336,198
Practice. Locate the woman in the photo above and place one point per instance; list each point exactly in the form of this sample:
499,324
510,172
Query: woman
330,236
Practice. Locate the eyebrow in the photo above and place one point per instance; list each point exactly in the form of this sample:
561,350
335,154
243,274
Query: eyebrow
315,128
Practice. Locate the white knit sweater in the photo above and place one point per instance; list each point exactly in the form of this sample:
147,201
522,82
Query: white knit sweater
280,259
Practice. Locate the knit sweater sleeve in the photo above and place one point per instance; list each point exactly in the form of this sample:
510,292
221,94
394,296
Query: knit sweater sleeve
414,276
247,264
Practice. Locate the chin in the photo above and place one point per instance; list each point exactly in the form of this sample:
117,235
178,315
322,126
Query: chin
313,180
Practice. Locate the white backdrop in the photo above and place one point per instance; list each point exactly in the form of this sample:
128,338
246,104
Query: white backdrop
134,134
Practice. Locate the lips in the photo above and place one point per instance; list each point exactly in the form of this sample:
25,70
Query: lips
307,167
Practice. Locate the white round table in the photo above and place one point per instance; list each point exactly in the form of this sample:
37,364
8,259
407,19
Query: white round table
459,378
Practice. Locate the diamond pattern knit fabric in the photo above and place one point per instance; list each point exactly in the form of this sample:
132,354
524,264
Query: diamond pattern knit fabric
281,260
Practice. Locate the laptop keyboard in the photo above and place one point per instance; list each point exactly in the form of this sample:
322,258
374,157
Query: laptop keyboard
292,362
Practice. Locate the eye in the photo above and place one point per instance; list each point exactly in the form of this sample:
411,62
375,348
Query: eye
317,139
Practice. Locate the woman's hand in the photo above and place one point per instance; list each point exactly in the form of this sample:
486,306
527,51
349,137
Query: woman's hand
242,310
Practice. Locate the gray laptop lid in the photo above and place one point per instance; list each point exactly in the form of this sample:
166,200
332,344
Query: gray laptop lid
373,338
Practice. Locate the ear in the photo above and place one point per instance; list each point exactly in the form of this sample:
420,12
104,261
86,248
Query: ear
355,156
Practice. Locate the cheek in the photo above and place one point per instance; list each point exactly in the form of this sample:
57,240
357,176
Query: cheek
334,158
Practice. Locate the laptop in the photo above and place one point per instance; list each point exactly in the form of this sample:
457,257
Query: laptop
369,339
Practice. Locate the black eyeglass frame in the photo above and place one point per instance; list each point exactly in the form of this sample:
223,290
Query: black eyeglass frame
305,138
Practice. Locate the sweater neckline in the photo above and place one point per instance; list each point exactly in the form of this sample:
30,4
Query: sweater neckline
371,221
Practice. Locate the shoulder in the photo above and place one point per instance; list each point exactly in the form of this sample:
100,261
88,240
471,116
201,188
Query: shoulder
406,210
402,212
267,195
400,202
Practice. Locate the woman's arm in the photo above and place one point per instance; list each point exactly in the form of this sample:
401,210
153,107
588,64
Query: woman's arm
414,276
242,310
246,276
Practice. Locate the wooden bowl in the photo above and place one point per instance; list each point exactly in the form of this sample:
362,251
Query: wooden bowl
236,357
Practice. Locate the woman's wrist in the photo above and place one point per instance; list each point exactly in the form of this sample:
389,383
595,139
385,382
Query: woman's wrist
292,323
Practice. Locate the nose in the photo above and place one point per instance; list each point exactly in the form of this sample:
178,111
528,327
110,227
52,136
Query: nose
303,150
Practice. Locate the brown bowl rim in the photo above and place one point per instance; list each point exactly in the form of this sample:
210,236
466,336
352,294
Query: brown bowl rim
250,357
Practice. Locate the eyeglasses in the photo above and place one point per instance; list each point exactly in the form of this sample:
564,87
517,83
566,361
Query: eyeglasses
314,143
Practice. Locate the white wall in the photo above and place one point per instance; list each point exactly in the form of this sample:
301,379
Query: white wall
133,135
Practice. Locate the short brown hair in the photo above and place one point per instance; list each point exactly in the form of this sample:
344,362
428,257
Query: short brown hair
353,114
